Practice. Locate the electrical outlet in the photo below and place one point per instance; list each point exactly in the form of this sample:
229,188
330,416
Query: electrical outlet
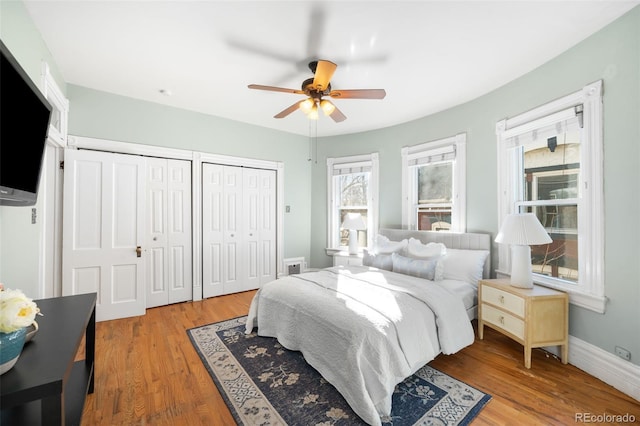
623,353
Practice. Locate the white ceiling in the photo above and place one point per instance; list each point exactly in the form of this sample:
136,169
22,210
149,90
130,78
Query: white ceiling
427,55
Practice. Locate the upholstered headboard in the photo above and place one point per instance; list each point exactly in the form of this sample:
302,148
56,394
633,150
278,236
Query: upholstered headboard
466,241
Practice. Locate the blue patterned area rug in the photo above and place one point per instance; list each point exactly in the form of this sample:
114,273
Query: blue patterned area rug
265,384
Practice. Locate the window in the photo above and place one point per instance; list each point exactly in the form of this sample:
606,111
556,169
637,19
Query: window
433,185
57,135
550,164
352,188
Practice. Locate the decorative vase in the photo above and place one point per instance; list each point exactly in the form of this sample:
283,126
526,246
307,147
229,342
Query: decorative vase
10,348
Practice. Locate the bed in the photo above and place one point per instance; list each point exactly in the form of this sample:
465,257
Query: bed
367,328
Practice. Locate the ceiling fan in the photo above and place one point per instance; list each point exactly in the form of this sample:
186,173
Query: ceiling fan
316,88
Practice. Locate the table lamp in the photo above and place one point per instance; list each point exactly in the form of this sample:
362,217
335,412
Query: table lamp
520,231
354,223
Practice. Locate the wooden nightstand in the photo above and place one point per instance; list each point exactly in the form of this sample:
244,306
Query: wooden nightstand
533,317
344,258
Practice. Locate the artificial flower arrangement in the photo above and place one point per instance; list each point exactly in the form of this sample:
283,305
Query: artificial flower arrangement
16,310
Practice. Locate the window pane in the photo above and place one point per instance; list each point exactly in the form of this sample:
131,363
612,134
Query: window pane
435,183
353,189
344,233
560,258
552,170
434,219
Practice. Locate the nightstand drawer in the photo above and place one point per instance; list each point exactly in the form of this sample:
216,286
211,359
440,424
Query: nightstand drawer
347,259
505,321
507,301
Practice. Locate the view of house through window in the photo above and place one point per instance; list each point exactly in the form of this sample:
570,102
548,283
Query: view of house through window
551,191
352,193
435,189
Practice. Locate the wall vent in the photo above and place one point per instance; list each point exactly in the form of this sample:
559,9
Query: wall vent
294,268
294,265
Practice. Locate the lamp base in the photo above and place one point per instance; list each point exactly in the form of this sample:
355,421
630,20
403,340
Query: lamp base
521,274
353,241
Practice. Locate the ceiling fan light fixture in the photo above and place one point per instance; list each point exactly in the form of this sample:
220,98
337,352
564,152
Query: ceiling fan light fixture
307,105
327,107
313,114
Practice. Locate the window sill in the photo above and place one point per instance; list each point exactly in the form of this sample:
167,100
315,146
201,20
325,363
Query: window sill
576,297
342,250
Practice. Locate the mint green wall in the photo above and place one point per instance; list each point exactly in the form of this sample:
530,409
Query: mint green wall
613,55
107,116
19,238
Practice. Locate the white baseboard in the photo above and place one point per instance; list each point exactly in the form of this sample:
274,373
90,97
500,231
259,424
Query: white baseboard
611,369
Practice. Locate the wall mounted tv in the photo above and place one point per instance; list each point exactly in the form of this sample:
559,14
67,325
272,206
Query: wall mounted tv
24,122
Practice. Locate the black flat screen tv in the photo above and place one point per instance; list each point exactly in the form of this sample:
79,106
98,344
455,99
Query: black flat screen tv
24,123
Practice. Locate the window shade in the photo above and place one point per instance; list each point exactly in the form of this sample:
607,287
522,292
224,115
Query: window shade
567,120
348,168
446,153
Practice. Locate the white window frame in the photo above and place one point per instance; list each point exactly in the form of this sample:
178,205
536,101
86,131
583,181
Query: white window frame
588,292
364,160
56,136
411,154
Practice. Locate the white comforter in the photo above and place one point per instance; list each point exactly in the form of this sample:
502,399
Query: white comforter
365,330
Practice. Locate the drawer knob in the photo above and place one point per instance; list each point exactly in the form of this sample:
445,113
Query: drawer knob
501,298
501,319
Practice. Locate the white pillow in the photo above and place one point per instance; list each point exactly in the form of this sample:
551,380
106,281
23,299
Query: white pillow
382,245
421,268
416,249
380,261
464,265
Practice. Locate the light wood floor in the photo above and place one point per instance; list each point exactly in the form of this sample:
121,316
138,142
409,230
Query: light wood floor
148,373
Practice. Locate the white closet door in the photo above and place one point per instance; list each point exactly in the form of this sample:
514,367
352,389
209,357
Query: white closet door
238,248
260,219
234,246
212,229
103,217
169,276
267,228
222,236
252,220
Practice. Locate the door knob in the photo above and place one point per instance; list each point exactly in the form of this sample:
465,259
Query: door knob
138,251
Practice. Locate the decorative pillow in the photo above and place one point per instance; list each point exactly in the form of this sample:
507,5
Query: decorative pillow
464,265
382,245
421,268
416,249
380,261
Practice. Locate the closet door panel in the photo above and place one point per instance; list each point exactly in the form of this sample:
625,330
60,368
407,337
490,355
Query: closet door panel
212,229
156,284
267,228
179,273
234,250
252,221
169,278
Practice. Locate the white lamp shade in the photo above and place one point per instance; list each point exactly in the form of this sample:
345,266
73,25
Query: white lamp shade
522,229
354,221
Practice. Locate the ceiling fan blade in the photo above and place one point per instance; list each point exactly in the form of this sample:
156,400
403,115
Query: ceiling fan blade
359,94
285,112
275,89
337,115
315,35
324,72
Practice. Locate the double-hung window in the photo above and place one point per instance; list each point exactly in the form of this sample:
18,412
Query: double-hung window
352,188
550,164
433,185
